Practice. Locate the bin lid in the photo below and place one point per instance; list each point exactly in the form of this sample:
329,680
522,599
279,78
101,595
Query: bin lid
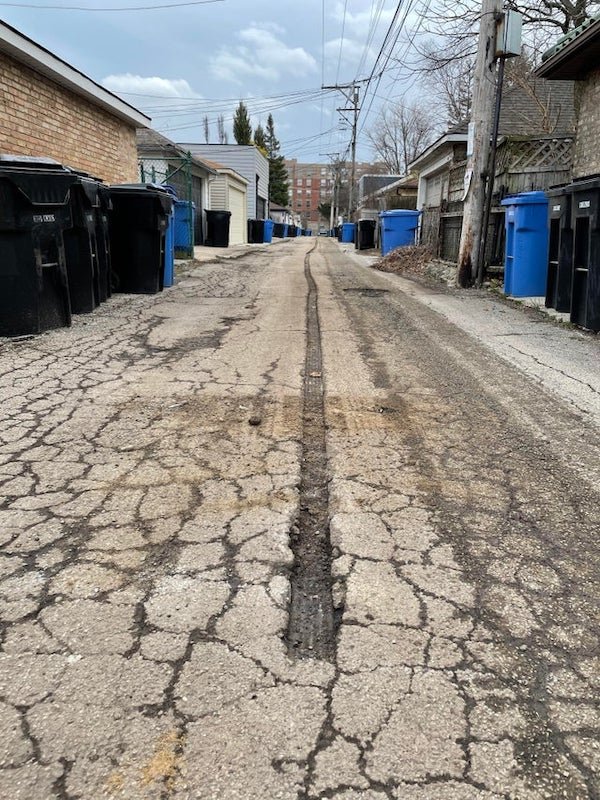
29,162
90,190
41,187
525,198
400,212
138,187
170,189
153,190
559,189
584,184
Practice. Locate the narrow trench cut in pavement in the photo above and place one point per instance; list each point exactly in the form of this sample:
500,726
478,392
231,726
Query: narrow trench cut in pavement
311,631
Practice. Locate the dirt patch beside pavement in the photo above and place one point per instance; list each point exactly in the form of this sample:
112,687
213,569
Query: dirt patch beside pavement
417,260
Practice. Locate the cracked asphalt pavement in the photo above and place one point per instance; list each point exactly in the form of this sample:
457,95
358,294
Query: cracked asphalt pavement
173,491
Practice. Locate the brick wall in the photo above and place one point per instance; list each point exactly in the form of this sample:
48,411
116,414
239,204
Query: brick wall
40,118
587,144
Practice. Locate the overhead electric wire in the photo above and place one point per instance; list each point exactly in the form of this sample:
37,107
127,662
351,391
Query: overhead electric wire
217,100
230,118
373,24
388,56
123,8
337,72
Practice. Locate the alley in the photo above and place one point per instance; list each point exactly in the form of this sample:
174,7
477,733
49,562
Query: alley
288,531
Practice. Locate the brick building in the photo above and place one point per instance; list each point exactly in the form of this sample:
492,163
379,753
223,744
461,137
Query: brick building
48,108
576,57
309,185
312,184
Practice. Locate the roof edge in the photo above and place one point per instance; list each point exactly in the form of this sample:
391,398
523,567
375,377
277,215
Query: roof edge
554,58
16,45
446,138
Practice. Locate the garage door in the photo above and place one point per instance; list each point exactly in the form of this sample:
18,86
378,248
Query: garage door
237,206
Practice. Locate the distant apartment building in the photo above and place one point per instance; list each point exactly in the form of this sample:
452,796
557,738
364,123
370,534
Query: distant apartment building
309,185
312,184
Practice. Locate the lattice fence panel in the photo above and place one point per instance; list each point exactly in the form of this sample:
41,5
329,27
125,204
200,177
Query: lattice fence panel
536,155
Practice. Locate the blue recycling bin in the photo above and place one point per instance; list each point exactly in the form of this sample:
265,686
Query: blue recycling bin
183,228
526,261
398,228
298,231
169,276
285,230
348,232
268,231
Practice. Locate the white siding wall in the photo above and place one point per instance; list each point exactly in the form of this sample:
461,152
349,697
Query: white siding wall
245,159
218,193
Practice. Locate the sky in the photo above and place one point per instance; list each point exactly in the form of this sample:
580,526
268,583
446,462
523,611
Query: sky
181,63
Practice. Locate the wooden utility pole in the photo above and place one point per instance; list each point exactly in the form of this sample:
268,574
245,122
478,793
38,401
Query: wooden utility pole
480,129
355,109
352,95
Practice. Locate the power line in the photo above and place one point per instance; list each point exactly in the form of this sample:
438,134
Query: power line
375,18
220,99
337,73
124,8
262,110
388,55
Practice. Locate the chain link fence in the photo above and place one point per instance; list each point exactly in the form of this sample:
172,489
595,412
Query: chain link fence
177,173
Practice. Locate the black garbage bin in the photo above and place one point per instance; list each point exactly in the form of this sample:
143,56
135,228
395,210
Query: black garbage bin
365,234
217,228
292,231
279,230
138,223
81,250
103,242
34,212
560,250
256,231
585,221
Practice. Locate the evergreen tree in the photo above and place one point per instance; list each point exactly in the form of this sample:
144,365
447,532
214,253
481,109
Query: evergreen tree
206,127
278,177
242,129
260,140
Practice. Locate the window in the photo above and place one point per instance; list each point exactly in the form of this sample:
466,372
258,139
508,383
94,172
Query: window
308,203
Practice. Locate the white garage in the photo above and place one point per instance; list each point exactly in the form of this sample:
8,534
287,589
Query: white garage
228,192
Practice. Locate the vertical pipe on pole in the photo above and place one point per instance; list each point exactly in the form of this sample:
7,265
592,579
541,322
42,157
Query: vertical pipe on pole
491,176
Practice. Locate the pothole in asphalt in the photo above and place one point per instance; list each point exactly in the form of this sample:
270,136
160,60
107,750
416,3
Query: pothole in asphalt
311,630
366,291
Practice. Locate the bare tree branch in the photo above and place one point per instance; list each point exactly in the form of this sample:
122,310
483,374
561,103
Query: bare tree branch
400,133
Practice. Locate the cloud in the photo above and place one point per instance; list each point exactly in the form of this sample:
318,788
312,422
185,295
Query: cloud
359,22
153,87
261,54
352,51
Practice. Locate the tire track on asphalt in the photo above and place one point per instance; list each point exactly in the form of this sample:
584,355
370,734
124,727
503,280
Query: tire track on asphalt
311,630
